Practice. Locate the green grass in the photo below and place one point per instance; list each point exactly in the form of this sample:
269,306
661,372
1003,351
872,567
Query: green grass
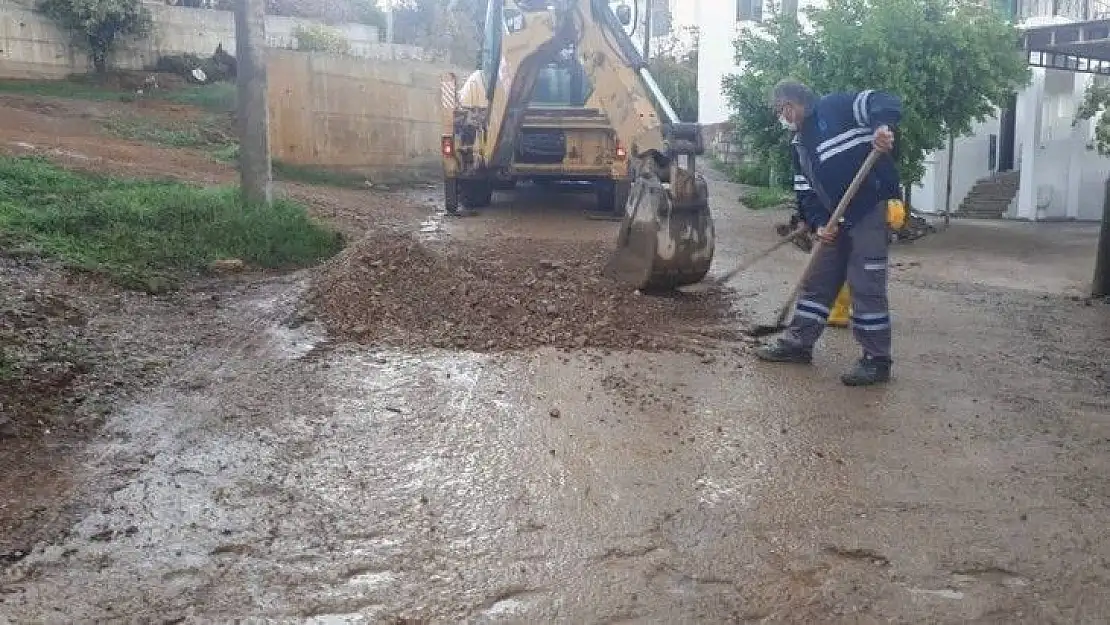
149,234
203,133
321,176
217,97
759,198
8,366
227,153
305,174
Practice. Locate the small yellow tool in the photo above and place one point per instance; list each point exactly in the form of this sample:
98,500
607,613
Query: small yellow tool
842,308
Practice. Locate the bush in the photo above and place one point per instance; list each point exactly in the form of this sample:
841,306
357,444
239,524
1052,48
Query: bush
758,174
321,38
150,234
760,198
98,24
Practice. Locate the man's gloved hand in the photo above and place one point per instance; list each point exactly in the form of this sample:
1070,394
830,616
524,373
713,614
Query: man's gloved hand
828,233
884,139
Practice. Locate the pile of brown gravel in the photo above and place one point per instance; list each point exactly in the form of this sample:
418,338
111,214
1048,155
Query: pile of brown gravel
504,294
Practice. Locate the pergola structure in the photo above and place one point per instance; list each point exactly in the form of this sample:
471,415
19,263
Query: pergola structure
1082,47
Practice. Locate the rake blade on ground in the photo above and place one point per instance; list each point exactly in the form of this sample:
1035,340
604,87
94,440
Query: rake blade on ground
761,330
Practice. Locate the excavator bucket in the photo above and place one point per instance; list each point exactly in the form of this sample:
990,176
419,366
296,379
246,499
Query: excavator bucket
667,238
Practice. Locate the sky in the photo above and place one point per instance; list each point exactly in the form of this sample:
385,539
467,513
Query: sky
685,12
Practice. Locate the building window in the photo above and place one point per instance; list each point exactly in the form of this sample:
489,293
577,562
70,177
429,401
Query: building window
749,10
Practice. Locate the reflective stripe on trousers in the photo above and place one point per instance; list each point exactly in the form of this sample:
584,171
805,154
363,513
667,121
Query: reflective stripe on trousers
859,256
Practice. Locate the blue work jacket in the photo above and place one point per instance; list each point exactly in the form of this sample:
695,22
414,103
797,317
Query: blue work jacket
831,145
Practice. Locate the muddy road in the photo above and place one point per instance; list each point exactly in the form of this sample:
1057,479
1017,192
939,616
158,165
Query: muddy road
280,474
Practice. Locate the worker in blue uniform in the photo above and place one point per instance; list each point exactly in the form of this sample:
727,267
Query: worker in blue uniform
832,136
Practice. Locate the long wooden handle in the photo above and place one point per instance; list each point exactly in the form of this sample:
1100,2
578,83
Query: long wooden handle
744,266
847,198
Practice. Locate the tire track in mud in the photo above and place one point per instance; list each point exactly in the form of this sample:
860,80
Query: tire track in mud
148,450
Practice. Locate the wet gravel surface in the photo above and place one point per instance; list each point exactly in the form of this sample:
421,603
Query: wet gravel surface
395,289
281,473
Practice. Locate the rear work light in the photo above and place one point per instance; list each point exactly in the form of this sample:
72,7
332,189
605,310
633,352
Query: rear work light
447,146
621,153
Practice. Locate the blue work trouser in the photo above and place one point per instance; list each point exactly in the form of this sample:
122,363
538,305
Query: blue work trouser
859,255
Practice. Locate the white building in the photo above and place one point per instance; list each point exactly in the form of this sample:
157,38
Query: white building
719,24
667,18
1060,178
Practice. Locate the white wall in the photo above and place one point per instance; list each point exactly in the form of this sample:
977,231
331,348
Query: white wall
717,55
970,164
1064,179
1060,177
718,30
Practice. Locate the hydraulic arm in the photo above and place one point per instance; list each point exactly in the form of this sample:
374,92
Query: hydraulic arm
666,237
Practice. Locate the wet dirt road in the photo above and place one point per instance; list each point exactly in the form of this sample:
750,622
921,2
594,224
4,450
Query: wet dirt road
278,477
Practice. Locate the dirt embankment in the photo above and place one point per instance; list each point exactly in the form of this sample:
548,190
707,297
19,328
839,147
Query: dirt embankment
72,347
505,294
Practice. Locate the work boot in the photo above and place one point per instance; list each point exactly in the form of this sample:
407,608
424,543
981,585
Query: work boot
867,372
784,352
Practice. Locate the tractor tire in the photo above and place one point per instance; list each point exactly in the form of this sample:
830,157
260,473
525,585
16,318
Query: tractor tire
612,197
476,193
451,196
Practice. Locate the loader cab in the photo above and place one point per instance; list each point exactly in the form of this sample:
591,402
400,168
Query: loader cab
562,84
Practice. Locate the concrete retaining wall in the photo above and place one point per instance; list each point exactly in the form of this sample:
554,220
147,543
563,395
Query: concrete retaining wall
378,118
31,46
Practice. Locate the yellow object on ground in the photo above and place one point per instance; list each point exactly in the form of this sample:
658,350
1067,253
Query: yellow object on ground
838,318
842,308
895,214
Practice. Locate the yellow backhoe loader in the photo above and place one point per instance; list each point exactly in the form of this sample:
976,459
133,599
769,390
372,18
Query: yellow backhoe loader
563,94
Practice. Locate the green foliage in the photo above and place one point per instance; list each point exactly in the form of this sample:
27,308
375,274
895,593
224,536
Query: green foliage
99,24
1096,101
779,50
953,62
675,68
756,174
216,97
149,234
206,132
367,12
321,38
331,11
220,97
759,198
317,175
453,28
9,366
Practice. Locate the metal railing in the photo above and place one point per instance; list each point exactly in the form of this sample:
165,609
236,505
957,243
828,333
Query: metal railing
1074,9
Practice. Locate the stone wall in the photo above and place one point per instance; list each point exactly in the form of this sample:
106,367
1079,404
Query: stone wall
31,46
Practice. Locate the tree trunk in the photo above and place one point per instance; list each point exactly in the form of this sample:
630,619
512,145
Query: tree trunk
252,119
1101,285
100,61
948,183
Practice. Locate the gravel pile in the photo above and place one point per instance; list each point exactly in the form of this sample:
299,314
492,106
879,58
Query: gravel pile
505,294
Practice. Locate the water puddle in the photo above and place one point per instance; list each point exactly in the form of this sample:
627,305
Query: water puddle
943,593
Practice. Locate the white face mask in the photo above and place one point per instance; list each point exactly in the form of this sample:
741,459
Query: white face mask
791,126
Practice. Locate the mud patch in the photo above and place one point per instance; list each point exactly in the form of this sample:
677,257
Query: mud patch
506,294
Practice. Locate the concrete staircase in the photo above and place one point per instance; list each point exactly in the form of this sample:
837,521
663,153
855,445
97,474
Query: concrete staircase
990,198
